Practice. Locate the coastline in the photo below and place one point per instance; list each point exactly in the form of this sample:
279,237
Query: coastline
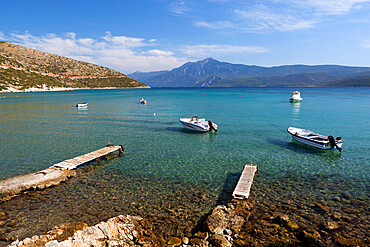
57,89
232,223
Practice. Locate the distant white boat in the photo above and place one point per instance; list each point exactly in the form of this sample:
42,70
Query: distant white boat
198,124
84,104
143,101
315,140
296,97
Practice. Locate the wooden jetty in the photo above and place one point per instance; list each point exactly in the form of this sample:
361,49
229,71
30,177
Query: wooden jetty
243,187
51,176
72,164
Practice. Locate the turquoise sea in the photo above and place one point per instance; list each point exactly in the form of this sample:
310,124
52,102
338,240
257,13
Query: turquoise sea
38,130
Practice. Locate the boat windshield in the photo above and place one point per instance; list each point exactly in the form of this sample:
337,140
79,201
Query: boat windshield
195,118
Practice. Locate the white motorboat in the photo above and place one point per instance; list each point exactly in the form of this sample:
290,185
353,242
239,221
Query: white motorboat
296,97
198,124
143,101
315,140
84,104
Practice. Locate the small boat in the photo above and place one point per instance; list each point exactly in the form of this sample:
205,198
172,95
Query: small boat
315,140
198,124
296,97
143,101
84,104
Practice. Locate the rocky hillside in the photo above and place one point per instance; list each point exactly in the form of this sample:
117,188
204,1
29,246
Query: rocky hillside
23,68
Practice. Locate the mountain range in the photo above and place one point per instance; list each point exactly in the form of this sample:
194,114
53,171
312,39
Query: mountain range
212,73
23,68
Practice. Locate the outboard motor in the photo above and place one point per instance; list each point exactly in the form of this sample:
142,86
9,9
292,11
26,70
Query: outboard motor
210,124
331,141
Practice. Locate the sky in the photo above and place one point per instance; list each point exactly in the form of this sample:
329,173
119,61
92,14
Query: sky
153,35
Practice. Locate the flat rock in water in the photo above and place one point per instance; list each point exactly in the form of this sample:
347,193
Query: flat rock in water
117,231
37,180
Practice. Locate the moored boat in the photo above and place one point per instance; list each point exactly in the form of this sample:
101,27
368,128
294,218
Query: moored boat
198,124
315,140
295,97
84,104
143,101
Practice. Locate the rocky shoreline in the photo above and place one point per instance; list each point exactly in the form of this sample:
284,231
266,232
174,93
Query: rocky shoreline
238,223
11,89
272,216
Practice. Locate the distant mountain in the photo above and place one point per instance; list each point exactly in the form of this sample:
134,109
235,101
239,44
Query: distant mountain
22,68
356,82
212,73
143,76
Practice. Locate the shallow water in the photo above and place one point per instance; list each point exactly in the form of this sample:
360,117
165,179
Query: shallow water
163,161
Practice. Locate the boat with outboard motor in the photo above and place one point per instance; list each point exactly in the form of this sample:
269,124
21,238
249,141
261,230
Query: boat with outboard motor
198,124
143,101
84,104
295,97
315,140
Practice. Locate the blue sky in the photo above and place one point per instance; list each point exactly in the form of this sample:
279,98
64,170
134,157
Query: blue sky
150,35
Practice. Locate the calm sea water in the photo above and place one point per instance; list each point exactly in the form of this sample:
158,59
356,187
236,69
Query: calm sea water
38,130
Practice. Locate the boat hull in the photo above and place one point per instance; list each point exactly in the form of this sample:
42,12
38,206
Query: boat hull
201,126
316,145
295,100
319,141
82,104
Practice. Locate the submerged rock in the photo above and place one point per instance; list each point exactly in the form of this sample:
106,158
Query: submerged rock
185,240
221,219
331,225
219,240
201,235
311,238
174,241
342,241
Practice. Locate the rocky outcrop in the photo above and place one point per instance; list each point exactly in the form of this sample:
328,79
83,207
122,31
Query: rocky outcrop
118,231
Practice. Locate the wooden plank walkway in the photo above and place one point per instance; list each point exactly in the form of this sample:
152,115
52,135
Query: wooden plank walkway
80,160
51,176
243,187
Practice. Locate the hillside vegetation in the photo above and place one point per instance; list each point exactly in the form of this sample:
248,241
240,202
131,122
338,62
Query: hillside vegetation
22,68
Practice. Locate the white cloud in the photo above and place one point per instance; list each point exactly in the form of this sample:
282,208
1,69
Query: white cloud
329,7
266,19
2,36
365,43
216,50
179,7
122,53
280,15
126,54
217,25
123,41
160,53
